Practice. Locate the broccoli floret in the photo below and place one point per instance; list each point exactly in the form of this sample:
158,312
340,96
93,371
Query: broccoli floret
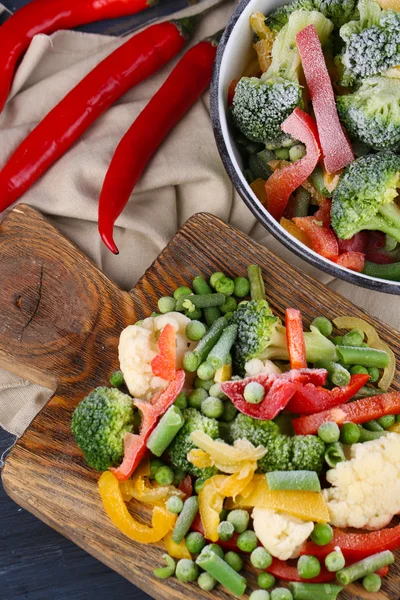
338,11
372,113
364,197
284,453
373,49
99,425
182,444
261,105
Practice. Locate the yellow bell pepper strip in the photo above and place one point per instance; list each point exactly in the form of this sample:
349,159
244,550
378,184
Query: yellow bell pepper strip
224,373
135,445
140,489
262,31
309,506
263,49
395,428
258,187
162,520
176,550
252,68
374,341
242,450
211,503
296,232
236,483
331,179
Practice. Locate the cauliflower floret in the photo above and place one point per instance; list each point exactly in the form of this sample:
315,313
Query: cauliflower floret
281,534
255,366
138,347
365,490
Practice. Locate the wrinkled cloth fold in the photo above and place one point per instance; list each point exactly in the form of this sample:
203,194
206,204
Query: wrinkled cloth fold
185,176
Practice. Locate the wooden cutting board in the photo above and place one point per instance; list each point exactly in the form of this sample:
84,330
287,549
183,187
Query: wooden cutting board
60,319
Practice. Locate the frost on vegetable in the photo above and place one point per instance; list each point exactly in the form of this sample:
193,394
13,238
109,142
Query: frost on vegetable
282,535
365,490
138,346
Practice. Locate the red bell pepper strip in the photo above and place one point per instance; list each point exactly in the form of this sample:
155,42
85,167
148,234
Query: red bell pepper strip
138,58
323,213
336,148
281,570
310,399
352,260
186,83
284,182
135,445
359,411
47,16
357,243
164,364
186,486
295,339
323,240
356,546
278,391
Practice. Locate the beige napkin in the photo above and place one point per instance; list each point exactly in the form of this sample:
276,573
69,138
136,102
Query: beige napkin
185,176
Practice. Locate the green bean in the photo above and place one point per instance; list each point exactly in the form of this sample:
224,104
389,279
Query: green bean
368,436
242,287
222,572
364,567
366,357
201,286
334,454
386,421
218,355
335,561
306,481
200,301
296,153
185,519
372,426
302,202
257,288
168,570
368,392
338,375
225,531
205,371
282,153
212,314
391,271
207,343
165,431
372,582
314,591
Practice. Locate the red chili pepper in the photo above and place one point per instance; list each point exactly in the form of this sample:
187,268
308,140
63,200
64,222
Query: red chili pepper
356,546
336,148
186,83
164,364
279,389
351,260
359,411
138,58
295,339
284,181
323,240
310,399
47,16
281,570
135,445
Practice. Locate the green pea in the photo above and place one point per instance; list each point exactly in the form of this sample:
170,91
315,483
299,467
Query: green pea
259,595
355,337
181,401
372,583
205,384
229,306
190,362
195,542
225,531
247,541
205,371
335,561
194,315
323,325
164,475
265,581
254,392
117,379
282,153
155,464
349,433
374,374
260,558
174,504
234,560
182,291
386,421
281,594
199,485
166,304
186,570
230,412
337,340
239,519
322,534
212,407
329,432
216,391
196,398
308,567
215,277
242,287
195,330
359,370
225,286
206,582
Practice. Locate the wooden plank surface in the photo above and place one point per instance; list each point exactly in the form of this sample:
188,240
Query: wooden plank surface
60,319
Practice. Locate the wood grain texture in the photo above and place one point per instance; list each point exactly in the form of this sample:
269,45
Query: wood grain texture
60,322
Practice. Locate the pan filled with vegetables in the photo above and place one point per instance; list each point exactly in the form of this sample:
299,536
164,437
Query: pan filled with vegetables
305,108
251,440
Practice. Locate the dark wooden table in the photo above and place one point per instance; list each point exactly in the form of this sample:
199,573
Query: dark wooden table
36,563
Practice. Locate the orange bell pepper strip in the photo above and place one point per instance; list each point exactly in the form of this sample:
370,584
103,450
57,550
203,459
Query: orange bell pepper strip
359,411
336,148
162,520
284,182
352,260
323,239
294,231
135,445
141,490
164,364
295,339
